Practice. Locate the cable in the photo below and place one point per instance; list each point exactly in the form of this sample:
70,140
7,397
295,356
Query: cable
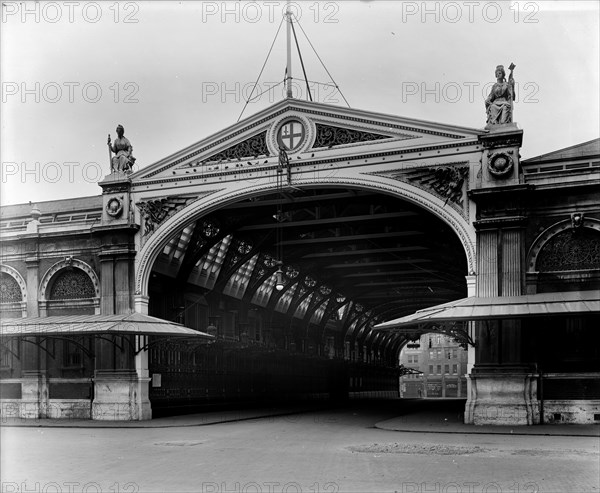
266,90
301,61
262,69
311,45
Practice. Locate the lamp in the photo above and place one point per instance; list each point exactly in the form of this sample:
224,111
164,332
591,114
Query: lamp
279,284
279,279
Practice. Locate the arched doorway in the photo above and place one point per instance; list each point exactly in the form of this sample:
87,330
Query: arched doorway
349,258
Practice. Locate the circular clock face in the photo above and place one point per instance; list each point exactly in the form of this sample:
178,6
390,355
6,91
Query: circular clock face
291,135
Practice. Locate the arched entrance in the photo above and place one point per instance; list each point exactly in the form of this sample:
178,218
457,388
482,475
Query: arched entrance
350,258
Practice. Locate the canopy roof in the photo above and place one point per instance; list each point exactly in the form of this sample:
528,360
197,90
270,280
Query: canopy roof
502,307
135,323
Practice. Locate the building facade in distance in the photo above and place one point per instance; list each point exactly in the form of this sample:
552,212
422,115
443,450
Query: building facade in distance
440,368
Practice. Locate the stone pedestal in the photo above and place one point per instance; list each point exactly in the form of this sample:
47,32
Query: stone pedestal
34,395
120,396
504,397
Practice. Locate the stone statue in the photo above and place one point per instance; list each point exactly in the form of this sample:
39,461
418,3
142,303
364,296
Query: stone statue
499,104
123,159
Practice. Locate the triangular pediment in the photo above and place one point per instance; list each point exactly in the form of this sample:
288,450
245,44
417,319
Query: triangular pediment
307,131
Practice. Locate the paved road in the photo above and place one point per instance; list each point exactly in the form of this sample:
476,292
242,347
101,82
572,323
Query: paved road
326,451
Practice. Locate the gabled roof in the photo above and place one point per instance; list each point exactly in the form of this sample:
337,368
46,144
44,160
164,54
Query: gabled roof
578,151
415,133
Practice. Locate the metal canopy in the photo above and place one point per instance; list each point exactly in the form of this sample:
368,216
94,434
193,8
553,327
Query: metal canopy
132,324
502,307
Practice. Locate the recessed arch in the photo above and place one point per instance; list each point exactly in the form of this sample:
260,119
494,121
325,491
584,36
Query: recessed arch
43,294
18,305
242,190
540,242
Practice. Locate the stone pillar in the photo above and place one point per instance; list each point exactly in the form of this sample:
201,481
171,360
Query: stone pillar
34,382
34,394
471,291
33,283
141,304
143,380
501,390
121,376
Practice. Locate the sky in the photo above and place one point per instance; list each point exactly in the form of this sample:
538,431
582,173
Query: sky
173,73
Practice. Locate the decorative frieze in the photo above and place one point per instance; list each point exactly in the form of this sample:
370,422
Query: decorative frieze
253,147
330,136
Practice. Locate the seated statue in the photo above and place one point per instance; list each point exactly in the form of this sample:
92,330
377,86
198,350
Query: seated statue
499,103
123,159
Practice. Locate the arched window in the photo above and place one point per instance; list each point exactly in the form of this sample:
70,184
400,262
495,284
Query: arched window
570,260
13,293
10,291
72,284
69,287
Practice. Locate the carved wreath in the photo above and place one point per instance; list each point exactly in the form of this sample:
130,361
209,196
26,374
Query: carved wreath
500,165
114,207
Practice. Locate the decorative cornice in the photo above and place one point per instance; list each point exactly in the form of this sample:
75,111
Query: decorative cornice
300,164
501,222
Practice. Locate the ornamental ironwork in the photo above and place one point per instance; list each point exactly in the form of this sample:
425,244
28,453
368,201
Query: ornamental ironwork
329,136
310,282
209,229
10,291
269,261
291,272
252,147
72,284
244,247
325,290
570,250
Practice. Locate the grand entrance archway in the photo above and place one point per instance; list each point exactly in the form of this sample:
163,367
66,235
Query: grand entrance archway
348,258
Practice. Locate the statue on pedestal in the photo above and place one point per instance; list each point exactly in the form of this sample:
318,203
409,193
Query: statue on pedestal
123,159
499,104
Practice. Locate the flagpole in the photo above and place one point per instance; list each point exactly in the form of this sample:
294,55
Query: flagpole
288,14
